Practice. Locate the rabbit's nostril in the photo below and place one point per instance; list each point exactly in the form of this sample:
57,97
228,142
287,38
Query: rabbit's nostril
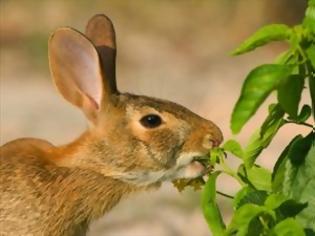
209,142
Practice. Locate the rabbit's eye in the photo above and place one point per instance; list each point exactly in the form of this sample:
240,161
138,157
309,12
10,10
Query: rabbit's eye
151,121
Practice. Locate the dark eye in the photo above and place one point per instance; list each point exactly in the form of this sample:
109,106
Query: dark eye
151,121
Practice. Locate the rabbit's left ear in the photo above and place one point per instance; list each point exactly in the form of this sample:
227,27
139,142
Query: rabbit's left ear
100,30
75,68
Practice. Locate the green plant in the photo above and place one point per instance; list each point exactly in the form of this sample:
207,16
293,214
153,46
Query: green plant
281,202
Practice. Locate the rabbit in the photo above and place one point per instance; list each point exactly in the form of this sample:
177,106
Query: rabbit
133,143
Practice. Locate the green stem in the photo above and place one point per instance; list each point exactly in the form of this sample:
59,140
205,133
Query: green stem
264,224
302,53
228,170
224,194
209,206
300,123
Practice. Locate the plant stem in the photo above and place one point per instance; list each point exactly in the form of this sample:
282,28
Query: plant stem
228,170
263,223
224,194
300,123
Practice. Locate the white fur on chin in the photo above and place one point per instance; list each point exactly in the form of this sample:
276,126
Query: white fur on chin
185,167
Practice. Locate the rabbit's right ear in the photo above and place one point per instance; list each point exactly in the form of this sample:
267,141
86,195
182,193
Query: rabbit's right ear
76,70
100,30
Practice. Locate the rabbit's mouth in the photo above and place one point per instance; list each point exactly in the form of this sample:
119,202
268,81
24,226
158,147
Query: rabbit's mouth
188,165
198,166
203,160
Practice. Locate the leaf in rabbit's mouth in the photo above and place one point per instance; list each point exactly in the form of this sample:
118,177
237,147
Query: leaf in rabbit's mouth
198,182
204,160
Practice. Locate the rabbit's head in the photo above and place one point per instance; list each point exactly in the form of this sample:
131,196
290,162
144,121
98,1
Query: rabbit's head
136,139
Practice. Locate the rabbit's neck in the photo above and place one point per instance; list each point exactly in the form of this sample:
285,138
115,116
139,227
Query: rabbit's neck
74,197
86,193
87,153
99,191
88,196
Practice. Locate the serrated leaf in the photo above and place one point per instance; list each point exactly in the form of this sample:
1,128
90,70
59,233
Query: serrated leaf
298,171
233,147
288,227
257,86
243,216
304,187
249,195
269,33
289,94
209,206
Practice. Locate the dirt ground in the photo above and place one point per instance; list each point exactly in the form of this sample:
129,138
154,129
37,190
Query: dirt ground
170,57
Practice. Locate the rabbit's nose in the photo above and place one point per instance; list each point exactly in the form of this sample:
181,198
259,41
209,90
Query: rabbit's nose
212,139
208,142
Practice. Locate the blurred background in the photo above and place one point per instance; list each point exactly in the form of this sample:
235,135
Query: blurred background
176,50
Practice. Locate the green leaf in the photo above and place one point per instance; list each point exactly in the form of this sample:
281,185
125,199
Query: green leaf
249,195
309,232
284,57
299,149
243,216
311,81
257,86
309,20
305,113
255,226
298,176
303,189
276,114
269,33
289,94
233,147
288,227
310,52
209,206
278,173
260,178
289,208
274,200
257,142
240,195
215,155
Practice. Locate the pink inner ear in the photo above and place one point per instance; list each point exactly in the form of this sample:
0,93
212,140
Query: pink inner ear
92,102
86,72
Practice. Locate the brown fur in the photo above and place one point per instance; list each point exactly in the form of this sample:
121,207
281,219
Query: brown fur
48,190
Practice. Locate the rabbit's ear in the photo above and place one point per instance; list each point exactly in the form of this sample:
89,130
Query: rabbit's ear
75,68
100,31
